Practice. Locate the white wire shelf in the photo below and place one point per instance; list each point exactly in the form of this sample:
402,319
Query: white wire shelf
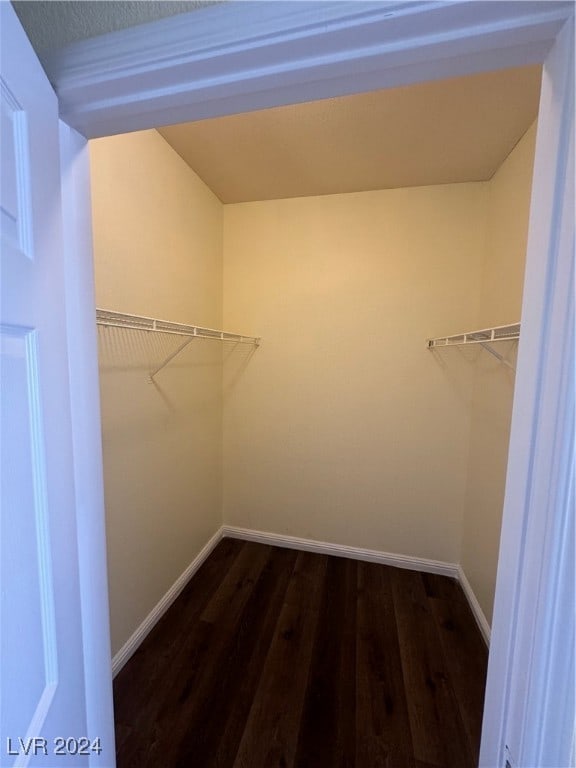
485,337
111,319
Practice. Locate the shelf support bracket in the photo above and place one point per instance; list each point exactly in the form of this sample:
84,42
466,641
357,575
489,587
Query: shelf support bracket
171,357
497,355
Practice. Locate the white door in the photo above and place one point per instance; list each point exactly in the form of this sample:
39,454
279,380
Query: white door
43,715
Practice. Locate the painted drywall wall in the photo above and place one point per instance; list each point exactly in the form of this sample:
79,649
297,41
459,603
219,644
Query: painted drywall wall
501,299
342,426
158,252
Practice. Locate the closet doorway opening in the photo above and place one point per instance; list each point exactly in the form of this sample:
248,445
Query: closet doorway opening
243,57
345,233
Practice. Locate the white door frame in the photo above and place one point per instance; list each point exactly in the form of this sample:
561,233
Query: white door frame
239,57
87,440
529,706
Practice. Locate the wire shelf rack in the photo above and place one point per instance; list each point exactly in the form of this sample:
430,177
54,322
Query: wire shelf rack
108,318
485,337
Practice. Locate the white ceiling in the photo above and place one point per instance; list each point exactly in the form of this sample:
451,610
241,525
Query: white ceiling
430,133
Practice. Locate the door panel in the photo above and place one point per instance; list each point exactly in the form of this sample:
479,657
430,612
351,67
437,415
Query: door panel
41,664
15,202
28,628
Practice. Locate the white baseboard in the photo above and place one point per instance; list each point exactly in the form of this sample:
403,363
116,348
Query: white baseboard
162,606
451,570
341,550
424,565
481,619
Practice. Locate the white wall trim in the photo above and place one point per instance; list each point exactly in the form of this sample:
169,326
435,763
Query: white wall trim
477,611
341,550
421,564
530,706
424,565
237,57
135,640
86,435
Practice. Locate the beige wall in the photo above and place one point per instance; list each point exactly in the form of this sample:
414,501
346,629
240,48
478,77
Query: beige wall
343,427
503,277
158,252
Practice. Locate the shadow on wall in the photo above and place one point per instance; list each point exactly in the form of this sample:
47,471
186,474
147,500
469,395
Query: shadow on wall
479,359
235,361
136,406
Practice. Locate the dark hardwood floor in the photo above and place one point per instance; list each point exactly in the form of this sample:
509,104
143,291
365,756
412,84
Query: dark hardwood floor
276,658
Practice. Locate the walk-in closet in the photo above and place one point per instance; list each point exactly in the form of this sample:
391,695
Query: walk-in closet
308,320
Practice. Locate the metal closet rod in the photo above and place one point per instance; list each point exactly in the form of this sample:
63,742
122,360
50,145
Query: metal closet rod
484,337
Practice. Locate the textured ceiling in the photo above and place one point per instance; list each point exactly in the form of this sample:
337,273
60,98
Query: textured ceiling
54,24
431,133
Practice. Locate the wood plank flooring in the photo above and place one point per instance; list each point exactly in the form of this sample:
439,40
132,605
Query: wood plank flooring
273,658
